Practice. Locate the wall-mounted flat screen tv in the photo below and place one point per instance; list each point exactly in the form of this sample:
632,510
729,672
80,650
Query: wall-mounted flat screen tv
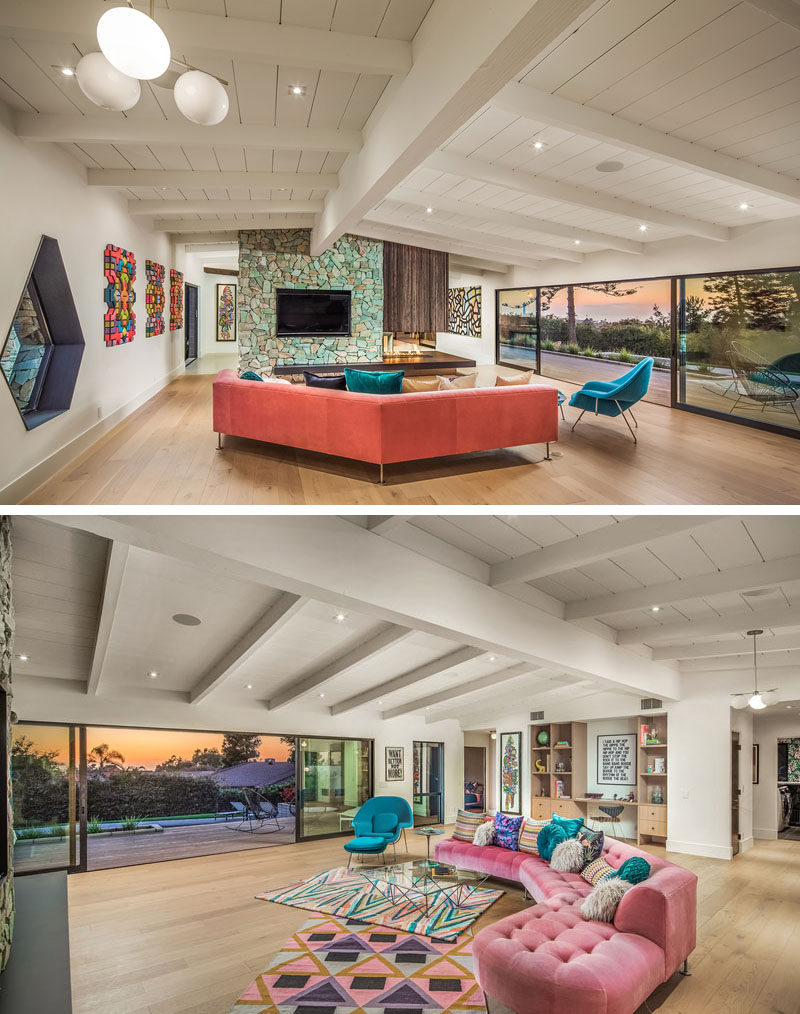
312,312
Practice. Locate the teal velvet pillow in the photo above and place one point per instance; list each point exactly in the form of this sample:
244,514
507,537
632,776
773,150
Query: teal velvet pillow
367,382
547,839
634,870
250,375
570,824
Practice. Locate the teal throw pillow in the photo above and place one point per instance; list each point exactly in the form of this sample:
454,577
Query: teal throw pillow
547,839
570,824
367,382
250,375
634,870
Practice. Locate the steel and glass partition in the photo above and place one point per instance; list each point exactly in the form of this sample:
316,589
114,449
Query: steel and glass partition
334,777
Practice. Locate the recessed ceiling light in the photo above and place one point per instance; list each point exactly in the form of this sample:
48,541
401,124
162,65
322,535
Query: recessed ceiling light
296,90
339,617
743,206
492,658
152,675
68,71
788,707
23,658
538,145
655,609
322,695
429,211
248,686
380,702
187,620
642,227
612,166
577,242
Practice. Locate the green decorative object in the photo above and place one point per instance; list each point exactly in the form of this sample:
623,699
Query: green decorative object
634,870
657,799
543,737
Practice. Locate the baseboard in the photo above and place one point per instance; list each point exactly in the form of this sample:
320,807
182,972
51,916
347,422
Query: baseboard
29,481
765,833
746,844
693,848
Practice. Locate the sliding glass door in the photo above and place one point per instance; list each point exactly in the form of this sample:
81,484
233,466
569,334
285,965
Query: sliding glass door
428,783
334,779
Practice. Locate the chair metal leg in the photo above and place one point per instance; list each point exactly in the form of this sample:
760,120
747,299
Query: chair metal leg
622,413
349,859
561,409
577,421
685,967
630,412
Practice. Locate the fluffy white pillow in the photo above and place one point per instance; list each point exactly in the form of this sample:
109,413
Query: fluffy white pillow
601,904
484,834
568,857
269,379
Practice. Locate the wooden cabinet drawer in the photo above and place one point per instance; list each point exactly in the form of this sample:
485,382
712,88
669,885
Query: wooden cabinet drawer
566,808
540,808
657,827
658,813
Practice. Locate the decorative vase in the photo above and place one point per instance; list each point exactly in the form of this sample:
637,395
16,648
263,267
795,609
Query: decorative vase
543,737
657,799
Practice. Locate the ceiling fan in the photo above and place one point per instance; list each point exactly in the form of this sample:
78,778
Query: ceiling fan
757,700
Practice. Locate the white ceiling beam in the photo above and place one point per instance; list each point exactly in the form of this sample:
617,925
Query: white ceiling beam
513,220
768,617
475,686
532,103
184,226
786,11
539,186
411,237
179,179
116,561
479,264
382,524
407,679
735,663
216,207
464,52
371,647
310,554
714,649
215,37
595,545
265,627
106,129
527,248
752,576
203,240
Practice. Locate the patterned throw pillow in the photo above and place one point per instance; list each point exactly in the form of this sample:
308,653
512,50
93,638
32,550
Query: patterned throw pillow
570,824
507,831
634,870
592,841
550,836
466,824
529,834
597,871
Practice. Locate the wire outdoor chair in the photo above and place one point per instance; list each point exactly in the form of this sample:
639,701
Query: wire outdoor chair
758,380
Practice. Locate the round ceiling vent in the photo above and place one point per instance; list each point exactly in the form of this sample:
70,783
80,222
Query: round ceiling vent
609,167
187,620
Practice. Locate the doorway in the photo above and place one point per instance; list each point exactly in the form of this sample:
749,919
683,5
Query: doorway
428,785
475,778
190,323
735,793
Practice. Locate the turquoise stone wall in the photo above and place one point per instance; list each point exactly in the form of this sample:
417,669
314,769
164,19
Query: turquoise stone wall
281,258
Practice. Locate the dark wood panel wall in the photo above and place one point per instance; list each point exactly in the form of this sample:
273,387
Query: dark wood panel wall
414,288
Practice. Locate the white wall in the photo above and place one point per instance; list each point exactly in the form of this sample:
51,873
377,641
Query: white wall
610,727
480,349
43,191
767,730
742,722
194,262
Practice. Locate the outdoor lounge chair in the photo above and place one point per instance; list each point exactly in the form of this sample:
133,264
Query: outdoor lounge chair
260,815
615,397
758,380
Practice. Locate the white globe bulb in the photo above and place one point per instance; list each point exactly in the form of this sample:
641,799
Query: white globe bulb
105,85
133,43
756,702
201,98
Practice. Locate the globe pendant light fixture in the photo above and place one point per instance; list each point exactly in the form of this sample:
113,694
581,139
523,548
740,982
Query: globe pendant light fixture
201,98
759,699
133,43
105,85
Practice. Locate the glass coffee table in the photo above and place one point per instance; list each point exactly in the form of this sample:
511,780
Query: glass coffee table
425,884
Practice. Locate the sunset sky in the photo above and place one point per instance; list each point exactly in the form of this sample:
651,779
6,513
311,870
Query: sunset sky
145,747
601,307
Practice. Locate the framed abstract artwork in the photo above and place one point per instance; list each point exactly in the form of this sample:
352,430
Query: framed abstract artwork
511,772
154,298
394,764
119,322
226,312
175,300
464,311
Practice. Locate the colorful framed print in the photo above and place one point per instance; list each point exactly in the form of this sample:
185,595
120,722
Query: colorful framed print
394,764
175,300
154,298
119,322
511,772
226,312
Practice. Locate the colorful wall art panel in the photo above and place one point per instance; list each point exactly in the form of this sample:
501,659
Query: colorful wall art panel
120,272
511,772
226,312
154,298
175,299
464,311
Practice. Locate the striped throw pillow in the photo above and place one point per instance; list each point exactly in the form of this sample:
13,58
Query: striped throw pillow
467,823
597,871
528,835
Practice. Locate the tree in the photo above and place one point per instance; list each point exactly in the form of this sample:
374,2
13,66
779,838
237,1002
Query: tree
696,313
102,757
174,763
238,748
207,759
549,292
290,742
25,754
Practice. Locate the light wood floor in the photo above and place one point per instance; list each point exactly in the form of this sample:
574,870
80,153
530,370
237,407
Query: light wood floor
165,453
187,937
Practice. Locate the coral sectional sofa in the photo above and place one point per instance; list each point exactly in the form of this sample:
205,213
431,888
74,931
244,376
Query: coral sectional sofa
549,958
385,428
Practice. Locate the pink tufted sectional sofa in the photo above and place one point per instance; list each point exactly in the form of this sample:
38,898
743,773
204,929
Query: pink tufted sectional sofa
548,958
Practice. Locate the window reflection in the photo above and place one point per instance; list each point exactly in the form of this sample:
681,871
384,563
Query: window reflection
26,352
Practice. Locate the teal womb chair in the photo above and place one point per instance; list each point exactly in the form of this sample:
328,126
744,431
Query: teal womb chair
615,397
384,817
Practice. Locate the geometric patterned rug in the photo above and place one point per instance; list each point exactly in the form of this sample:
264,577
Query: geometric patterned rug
347,895
337,966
